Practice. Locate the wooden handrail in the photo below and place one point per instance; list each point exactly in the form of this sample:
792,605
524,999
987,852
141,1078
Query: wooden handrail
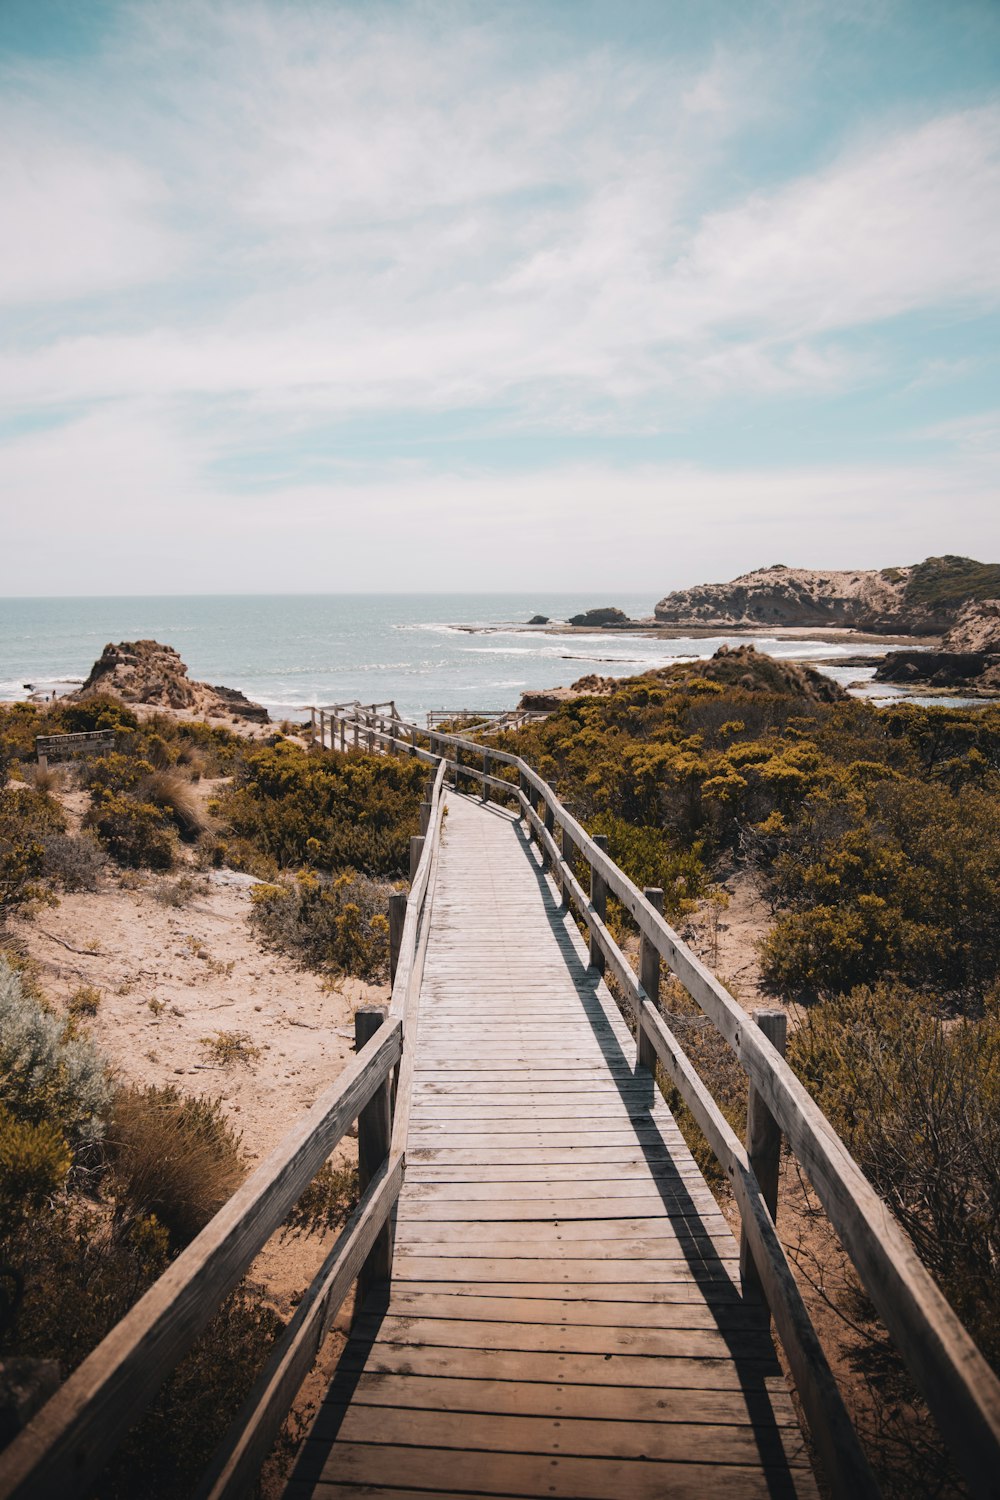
959,1386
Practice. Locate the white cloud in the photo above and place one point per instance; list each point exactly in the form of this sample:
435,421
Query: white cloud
76,221
110,506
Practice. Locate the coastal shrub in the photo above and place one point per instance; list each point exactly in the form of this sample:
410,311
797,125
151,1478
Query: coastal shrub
227,1048
328,811
73,861
650,858
76,1275
327,1202
339,925
113,774
173,1156
918,1102
27,819
907,889
135,834
34,1163
45,1074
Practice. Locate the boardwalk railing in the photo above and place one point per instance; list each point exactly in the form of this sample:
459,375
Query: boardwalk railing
961,1390
67,1444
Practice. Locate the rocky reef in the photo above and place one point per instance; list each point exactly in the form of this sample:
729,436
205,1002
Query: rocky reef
926,598
150,673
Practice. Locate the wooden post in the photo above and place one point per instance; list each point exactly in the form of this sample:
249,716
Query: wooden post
425,816
397,916
763,1146
312,725
357,731
568,850
649,978
343,735
369,721
599,901
413,741
486,772
416,850
550,823
322,730
374,1135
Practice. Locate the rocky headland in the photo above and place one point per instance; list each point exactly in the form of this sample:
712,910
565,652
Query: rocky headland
923,599
147,673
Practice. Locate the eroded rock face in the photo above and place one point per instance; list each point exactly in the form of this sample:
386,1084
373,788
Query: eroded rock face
976,629
148,672
973,671
923,599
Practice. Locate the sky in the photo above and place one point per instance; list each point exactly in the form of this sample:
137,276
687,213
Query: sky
300,296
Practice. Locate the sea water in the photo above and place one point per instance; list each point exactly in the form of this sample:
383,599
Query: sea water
425,651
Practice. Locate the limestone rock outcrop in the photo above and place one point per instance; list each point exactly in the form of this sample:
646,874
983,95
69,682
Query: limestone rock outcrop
923,599
150,673
976,629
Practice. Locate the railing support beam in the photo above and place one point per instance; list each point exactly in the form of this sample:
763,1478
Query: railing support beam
649,978
599,901
763,1143
397,920
374,1135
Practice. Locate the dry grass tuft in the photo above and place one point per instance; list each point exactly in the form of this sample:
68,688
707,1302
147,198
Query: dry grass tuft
229,1047
176,795
174,1156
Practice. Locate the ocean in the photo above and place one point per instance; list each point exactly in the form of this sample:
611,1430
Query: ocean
427,651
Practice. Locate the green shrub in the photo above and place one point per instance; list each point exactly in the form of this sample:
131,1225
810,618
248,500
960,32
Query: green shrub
330,811
918,1103
135,834
171,1155
27,819
340,925
34,1163
45,1075
326,1203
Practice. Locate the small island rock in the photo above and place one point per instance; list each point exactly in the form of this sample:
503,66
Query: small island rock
606,615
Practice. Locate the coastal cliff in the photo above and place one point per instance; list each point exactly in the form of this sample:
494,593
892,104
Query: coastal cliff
923,599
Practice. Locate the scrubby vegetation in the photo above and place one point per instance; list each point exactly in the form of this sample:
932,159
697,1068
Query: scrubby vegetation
101,1185
338,924
330,812
328,832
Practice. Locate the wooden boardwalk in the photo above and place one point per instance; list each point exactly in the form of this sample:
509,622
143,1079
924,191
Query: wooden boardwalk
564,1317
